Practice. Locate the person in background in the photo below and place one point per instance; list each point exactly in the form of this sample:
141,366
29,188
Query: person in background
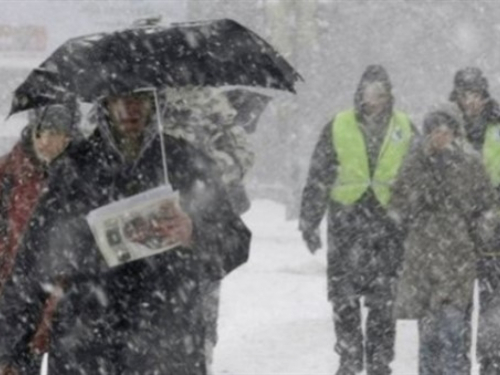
482,127
24,175
355,161
209,120
441,195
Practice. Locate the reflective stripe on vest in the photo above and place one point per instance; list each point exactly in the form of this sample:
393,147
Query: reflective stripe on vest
353,174
491,153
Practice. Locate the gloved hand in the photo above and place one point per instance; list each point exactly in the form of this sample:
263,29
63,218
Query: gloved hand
312,240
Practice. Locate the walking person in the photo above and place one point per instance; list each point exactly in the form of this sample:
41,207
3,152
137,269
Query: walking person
482,126
138,317
440,196
24,175
217,122
356,159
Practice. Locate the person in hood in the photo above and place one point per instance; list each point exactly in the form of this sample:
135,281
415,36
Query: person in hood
207,118
140,317
24,174
441,194
357,157
482,125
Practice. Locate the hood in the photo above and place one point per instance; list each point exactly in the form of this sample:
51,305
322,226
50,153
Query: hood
373,73
447,113
450,115
101,118
469,79
63,118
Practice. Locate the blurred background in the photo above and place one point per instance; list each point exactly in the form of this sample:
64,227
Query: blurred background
421,43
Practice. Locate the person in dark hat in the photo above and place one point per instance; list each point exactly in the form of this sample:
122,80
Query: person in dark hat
142,316
439,196
353,165
24,175
482,125
470,93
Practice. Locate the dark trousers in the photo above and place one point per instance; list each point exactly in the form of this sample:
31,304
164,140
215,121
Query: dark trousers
378,346
444,342
488,340
32,365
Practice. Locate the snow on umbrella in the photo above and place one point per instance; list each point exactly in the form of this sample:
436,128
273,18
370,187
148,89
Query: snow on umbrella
212,53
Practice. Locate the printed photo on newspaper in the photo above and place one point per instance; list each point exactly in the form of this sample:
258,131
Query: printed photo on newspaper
134,228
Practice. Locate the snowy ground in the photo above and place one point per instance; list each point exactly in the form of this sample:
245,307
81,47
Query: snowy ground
275,318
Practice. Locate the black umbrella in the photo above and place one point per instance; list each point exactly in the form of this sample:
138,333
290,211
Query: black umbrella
212,53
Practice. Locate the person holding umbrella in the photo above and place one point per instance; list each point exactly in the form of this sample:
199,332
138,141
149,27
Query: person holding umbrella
141,317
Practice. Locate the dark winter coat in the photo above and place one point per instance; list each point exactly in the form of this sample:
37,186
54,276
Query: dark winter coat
439,198
142,317
488,268
476,129
363,242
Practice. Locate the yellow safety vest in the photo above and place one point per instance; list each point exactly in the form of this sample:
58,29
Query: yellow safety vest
353,173
491,153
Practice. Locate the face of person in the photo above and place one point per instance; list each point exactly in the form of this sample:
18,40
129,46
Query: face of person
221,111
441,137
375,98
49,144
130,114
472,103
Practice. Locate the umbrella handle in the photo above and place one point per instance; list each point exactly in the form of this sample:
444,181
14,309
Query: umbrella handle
162,142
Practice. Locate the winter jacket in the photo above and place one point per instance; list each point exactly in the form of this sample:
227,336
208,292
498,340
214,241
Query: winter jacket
476,130
205,118
23,180
439,198
142,317
362,239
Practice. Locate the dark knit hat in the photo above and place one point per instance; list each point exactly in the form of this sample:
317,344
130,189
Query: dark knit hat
447,114
59,117
469,79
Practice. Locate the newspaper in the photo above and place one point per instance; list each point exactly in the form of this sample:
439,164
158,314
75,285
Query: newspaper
132,228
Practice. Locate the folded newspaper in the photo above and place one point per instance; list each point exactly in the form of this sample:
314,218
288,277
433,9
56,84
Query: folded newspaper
134,228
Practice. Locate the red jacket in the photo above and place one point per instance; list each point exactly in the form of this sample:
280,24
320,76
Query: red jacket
22,179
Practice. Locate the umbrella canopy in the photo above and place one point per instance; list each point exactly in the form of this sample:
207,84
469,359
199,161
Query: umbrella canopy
212,53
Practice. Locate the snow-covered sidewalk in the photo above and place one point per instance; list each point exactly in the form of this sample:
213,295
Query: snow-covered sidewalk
275,318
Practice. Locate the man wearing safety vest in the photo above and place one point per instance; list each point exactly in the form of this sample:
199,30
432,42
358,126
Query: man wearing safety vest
482,125
356,159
